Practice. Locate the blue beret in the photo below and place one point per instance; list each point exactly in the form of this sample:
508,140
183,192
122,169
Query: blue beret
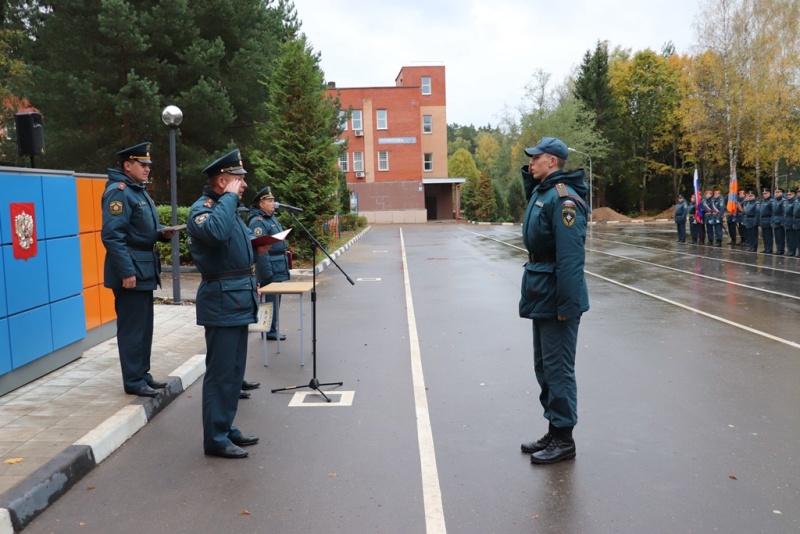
140,153
230,163
549,145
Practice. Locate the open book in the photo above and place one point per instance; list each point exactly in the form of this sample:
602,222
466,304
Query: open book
270,239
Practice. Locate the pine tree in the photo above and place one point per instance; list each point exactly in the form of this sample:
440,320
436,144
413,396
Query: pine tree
297,155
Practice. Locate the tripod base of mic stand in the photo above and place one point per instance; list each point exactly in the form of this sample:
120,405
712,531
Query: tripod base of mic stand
314,384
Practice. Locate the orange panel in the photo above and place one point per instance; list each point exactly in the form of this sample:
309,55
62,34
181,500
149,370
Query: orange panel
99,187
91,277
91,302
107,311
100,250
86,205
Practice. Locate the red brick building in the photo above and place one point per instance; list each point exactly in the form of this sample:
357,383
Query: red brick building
396,158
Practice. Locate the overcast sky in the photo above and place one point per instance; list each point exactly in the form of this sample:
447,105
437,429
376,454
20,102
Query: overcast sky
490,48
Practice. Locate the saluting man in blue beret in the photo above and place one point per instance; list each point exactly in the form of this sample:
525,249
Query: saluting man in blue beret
219,241
554,293
132,266
274,266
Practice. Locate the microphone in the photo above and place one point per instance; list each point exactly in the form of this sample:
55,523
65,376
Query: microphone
286,207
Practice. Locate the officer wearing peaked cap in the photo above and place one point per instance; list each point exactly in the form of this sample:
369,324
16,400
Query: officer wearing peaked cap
132,267
274,266
554,294
219,241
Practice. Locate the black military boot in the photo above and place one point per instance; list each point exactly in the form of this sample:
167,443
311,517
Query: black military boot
561,447
541,444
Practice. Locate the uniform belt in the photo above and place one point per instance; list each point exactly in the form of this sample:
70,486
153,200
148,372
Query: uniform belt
277,253
208,277
541,258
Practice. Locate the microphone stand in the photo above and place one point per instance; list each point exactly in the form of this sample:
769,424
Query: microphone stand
314,383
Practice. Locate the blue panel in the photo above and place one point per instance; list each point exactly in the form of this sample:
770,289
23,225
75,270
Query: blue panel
31,335
69,321
60,198
65,278
3,307
20,188
5,348
26,280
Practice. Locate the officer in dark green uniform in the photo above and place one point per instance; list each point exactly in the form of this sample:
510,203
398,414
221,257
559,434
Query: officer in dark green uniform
219,241
751,210
681,209
765,220
790,207
132,267
778,232
554,293
274,266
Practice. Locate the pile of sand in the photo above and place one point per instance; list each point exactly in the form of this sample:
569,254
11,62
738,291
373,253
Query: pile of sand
668,213
607,214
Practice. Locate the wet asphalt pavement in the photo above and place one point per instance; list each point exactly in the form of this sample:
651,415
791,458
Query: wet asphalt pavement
688,378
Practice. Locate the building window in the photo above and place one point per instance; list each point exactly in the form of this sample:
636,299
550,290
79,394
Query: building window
426,85
356,120
427,162
343,120
382,119
383,160
358,161
344,162
427,124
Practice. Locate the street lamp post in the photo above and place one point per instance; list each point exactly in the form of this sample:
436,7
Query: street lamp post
172,117
591,206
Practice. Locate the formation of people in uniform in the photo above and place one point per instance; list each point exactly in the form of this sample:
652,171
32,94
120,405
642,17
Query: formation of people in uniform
227,302
770,224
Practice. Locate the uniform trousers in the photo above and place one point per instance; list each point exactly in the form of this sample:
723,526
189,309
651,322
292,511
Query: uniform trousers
766,234
732,231
681,231
554,344
134,335
752,239
791,242
780,239
226,356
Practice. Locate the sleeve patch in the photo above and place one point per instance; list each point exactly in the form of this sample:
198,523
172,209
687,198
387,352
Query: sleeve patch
208,203
115,207
200,218
121,186
568,204
568,216
258,231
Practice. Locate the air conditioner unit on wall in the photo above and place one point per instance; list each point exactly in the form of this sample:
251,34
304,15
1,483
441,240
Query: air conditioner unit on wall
359,133
360,174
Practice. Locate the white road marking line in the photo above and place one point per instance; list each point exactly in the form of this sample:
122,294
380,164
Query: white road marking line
695,310
431,492
700,312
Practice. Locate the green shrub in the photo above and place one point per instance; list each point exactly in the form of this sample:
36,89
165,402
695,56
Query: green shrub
165,249
352,222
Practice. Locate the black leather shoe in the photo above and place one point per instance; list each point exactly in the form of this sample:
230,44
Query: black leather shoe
244,395
144,391
231,451
250,385
244,441
273,337
557,450
155,384
536,446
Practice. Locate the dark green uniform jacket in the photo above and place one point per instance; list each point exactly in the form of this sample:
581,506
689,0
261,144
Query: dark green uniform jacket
130,231
272,266
219,241
554,232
